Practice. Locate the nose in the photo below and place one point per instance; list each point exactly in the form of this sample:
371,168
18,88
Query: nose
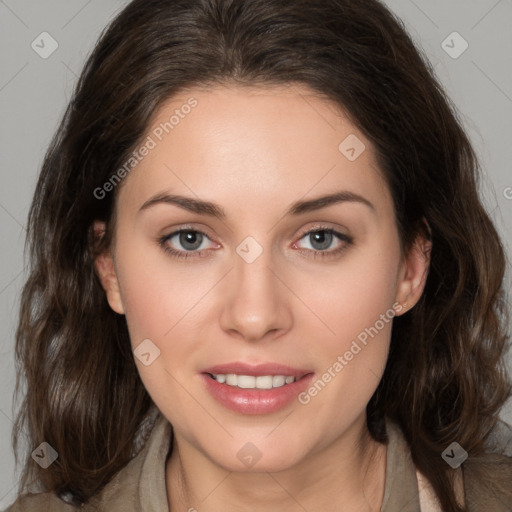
256,303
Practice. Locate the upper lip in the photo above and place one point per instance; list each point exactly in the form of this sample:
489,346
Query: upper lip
241,368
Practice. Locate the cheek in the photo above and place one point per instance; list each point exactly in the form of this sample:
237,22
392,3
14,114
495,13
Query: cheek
171,303
162,301
356,306
175,305
344,298
155,292
353,294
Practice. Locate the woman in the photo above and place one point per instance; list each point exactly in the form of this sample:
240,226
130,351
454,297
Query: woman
333,337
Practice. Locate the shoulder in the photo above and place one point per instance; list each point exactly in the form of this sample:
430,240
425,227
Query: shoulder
484,482
142,480
488,479
488,483
41,502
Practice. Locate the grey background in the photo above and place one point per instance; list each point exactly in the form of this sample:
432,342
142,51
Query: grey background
34,92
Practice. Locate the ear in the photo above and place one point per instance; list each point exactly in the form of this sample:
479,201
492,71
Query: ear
414,271
105,269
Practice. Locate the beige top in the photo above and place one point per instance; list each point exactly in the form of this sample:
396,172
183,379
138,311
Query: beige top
140,486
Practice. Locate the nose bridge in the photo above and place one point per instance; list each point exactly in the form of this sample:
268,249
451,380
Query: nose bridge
255,303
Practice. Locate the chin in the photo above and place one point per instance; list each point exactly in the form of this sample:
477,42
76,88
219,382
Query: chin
258,456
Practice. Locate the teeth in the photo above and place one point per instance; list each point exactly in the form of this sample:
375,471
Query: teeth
231,379
264,382
278,381
251,382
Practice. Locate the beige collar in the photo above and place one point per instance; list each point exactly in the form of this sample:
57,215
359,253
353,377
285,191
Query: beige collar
140,486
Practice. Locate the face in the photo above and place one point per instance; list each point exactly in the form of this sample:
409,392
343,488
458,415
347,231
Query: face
264,292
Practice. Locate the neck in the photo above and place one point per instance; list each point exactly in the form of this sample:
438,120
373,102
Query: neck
348,474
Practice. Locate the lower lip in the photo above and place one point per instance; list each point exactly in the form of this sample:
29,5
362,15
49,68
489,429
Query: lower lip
256,401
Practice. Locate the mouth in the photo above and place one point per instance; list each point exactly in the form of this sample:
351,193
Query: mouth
252,381
258,389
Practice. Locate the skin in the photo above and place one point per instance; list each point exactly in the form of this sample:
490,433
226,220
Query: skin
255,151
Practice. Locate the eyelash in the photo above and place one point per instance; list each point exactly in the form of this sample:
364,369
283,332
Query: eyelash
200,254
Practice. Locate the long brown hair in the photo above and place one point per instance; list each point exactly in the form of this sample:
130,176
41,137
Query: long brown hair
445,379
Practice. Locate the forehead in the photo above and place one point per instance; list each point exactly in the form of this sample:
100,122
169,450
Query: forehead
257,143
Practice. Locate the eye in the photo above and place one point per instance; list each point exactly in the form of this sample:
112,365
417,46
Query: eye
192,240
321,238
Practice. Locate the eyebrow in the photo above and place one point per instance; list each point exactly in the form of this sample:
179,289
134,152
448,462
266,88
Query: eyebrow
214,210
